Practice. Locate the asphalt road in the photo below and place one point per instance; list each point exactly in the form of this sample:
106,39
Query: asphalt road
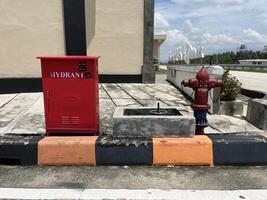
135,177
252,80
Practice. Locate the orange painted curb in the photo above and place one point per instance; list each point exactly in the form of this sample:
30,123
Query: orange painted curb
183,151
67,151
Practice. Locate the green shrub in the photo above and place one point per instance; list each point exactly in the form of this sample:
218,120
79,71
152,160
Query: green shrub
231,87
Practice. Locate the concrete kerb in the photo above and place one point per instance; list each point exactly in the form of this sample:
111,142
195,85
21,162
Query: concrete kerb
239,149
19,150
216,150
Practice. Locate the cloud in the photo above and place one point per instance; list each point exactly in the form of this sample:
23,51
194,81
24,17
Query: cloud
189,29
160,21
187,26
251,36
175,37
218,39
208,3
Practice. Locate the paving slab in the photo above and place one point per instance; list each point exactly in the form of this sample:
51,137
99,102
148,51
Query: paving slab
156,93
115,92
133,91
232,125
23,113
179,102
107,108
32,121
5,98
102,93
12,112
170,90
209,130
126,102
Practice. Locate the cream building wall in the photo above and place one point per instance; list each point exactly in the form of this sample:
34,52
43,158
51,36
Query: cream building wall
115,31
29,28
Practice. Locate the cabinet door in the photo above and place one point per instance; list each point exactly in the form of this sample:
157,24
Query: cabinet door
71,100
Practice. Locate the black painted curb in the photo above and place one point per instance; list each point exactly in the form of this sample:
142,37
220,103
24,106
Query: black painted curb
111,151
19,150
239,149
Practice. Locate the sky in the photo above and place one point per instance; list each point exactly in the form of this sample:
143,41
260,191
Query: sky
216,25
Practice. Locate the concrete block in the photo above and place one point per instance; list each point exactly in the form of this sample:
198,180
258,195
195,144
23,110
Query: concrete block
124,151
182,151
239,149
231,108
19,150
257,113
151,125
67,151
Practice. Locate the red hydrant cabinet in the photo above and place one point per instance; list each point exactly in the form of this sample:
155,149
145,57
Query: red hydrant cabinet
71,97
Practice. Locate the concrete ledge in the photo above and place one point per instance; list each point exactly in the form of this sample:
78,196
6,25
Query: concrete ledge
182,151
111,151
151,125
252,93
239,149
231,108
19,150
257,113
67,151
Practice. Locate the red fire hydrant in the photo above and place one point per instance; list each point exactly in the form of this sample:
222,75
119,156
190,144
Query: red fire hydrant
201,85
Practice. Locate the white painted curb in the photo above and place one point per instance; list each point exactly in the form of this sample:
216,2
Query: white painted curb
48,194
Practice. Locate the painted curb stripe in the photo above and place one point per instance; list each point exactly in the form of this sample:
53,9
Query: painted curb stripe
19,150
227,150
48,194
67,151
124,151
239,149
182,151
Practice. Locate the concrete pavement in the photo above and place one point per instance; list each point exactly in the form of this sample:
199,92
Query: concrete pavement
252,80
